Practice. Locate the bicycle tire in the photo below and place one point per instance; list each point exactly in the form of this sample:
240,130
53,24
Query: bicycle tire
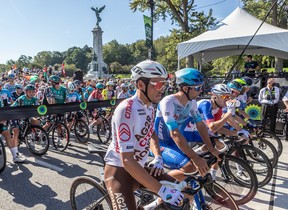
92,196
81,136
255,157
268,148
2,156
104,131
36,140
242,191
219,197
275,140
63,137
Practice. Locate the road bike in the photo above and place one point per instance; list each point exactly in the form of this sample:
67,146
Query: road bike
86,193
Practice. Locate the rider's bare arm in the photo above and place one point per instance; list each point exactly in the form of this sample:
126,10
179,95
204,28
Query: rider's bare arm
154,145
215,126
139,173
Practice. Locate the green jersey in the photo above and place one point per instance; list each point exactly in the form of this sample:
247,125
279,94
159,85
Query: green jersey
59,95
24,101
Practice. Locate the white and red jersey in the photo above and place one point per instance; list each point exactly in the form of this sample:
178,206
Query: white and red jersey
132,127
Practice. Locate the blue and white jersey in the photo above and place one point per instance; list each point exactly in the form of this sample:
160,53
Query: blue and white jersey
73,97
5,96
243,101
9,87
171,115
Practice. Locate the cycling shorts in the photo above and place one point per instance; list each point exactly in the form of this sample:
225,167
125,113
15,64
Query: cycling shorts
121,193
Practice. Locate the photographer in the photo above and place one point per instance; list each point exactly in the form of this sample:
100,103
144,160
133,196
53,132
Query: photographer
269,97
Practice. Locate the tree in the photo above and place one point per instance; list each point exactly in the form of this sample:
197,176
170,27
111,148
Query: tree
277,17
139,51
182,14
115,52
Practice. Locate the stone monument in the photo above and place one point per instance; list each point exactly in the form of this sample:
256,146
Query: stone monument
97,68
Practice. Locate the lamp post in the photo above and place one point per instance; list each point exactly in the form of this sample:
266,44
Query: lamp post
151,49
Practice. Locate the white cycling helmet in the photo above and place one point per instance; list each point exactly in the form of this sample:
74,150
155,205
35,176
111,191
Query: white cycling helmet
220,89
148,69
71,86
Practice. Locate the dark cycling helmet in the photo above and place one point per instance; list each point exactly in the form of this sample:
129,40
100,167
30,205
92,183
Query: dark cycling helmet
18,86
99,85
235,85
55,79
249,82
189,77
29,87
11,76
77,82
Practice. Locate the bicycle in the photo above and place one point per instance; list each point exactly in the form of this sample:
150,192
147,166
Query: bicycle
193,186
79,127
103,130
2,156
34,136
60,132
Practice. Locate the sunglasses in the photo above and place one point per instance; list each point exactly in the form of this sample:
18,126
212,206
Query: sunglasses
196,88
225,97
159,86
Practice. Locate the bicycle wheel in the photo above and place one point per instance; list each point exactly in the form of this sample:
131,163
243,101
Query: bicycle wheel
37,140
274,139
258,161
2,156
60,136
242,190
218,198
81,131
85,193
104,131
268,148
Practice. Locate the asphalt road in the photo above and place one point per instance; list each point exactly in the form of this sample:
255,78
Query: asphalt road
44,182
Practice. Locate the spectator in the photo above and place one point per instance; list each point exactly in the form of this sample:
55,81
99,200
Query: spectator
78,75
251,66
269,97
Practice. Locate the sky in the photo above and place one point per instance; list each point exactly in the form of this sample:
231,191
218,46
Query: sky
31,26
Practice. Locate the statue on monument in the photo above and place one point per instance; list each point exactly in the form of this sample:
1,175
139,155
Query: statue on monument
97,13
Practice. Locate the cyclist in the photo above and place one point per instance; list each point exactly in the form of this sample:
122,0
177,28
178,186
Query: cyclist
17,157
174,114
10,85
96,95
131,90
18,92
54,94
128,151
108,93
5,95
124,91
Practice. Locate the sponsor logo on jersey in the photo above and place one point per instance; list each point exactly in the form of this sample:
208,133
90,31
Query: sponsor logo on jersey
129,109
124,132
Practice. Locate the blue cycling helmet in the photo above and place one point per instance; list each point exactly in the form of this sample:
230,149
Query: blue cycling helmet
90,89
189,77
99,85
235,85
11,76
18,86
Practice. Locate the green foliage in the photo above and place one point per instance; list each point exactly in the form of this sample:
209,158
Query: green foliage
115,52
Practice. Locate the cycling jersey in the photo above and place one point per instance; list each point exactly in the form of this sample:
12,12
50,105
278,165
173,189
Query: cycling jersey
123,95
96,95
207,113
5,96
108,94
73,97
131,92
59,95
171,115
10,87
15,95
24,101
129,136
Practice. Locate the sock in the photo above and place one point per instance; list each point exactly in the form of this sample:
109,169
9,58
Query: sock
14,151
213,173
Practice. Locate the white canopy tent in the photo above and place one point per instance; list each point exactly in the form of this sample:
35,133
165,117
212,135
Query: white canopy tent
230,37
